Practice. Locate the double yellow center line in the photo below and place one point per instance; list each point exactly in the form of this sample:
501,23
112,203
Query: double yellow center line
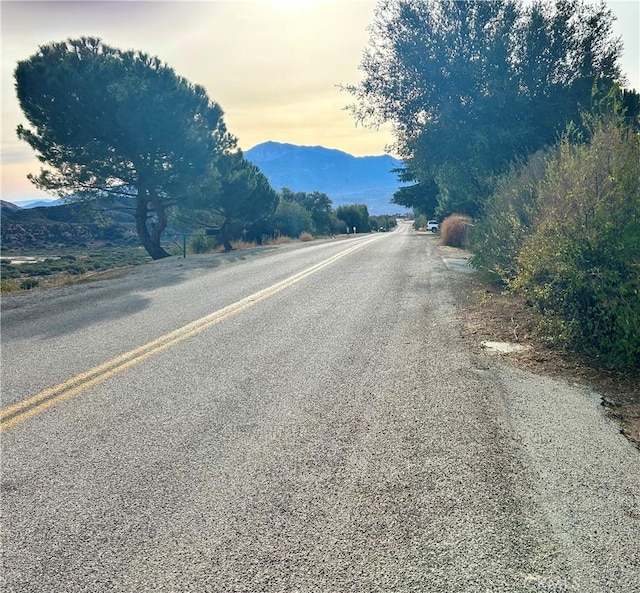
21,411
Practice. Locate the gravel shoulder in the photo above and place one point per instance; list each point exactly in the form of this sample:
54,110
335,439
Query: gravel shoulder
487,314
567,420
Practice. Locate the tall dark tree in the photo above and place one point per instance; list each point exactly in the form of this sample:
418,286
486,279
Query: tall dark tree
118,123
421,196
236,195
470,86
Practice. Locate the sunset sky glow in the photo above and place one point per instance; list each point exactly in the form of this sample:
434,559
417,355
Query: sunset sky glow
274,66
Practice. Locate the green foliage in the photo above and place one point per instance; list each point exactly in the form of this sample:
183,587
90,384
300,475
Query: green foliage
508,220
291,219
384,221
235,195
354,215
582,263
471,86
318,204
289,214
338,227
420,221
30,275
455,230
200,242
118,123
563,230
421,196
29,284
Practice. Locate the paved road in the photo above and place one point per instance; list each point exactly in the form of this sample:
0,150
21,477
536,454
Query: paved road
301,419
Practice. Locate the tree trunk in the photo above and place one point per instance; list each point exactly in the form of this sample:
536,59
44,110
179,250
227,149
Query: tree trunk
150,239
224,234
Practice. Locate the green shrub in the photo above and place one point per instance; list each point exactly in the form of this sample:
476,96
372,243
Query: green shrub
420,222
29,283
8,270
509,218
581,265
202,243
455,230
77,269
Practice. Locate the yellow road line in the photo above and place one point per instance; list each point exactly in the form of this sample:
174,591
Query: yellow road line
20,411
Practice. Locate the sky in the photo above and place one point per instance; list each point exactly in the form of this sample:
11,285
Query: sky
274,66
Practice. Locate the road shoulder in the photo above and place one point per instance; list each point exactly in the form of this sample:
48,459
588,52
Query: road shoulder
488,314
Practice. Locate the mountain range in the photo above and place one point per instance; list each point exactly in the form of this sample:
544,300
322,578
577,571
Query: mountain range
36,203
345,178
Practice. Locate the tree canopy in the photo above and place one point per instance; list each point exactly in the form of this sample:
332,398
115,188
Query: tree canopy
317,203
471,86
111,122
236,193
355,216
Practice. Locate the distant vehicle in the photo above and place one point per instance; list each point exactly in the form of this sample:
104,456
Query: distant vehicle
432,226
383,229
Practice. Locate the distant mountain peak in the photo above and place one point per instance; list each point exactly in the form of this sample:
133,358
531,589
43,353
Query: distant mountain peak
345,178
277,148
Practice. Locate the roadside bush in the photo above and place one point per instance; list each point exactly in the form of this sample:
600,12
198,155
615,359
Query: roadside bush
455,230
77,269
581,265
29,284
509,218
201,242
338,227
291,219
419,222
304,237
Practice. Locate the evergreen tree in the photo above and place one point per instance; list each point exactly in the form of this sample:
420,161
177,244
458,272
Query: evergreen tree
109,122
235,196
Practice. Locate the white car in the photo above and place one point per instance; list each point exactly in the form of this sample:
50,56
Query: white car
432,226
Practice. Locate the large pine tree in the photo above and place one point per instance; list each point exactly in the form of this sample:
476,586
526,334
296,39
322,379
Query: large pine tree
112,122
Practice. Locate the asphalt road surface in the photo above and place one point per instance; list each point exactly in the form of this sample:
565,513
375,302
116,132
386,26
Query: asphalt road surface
298,419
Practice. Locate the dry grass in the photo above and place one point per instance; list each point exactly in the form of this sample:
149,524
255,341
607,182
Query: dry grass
455,230
61,279
240,244
281,240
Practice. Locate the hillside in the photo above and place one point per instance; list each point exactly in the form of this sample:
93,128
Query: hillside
346,179
55,227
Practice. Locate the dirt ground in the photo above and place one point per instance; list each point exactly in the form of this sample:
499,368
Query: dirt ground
490,315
